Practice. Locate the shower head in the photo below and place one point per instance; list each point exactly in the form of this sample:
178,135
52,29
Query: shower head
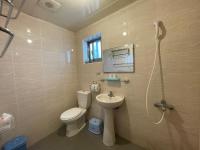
157,24
160,30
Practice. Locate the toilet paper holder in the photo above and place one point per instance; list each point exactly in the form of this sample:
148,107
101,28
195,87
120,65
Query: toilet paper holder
95,87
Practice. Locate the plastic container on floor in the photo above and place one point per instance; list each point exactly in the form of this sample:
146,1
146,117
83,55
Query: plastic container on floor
95,126
17,143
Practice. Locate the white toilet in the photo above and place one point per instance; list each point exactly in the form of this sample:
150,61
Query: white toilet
74,118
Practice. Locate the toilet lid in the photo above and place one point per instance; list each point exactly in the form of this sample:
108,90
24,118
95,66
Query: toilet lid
71,113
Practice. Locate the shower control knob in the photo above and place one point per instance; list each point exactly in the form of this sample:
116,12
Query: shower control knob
163,105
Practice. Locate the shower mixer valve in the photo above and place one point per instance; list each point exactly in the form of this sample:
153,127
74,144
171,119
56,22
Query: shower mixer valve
164,106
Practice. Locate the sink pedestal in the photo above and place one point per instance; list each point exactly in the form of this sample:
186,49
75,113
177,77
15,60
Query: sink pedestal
109,131
109,103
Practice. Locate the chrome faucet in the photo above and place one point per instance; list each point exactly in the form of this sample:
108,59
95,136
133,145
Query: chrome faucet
110,94
163,105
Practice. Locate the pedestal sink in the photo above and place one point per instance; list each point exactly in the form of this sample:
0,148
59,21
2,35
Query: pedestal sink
109,103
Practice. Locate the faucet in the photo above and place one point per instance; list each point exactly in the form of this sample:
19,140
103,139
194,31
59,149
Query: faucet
164,106
110,94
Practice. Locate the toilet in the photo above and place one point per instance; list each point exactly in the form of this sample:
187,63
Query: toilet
74,118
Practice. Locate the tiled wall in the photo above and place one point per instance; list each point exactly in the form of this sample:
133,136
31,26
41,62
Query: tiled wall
38,81
180,52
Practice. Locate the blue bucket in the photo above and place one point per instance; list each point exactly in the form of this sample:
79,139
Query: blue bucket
17,143
95,126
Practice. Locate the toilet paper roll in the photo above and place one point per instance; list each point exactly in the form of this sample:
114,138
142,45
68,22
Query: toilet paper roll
92,87
95,87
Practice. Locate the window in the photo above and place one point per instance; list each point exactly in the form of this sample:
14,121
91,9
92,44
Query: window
92,49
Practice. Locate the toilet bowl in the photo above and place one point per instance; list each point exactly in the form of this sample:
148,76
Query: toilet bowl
74,118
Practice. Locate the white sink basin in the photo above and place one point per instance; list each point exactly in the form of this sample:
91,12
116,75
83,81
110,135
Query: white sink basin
109,102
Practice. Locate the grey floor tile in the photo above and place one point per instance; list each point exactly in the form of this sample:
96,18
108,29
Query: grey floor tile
83,141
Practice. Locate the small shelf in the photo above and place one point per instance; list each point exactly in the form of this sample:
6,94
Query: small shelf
112,79
115,80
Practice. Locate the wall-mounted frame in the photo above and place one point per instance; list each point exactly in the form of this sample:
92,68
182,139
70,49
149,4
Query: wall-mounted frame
119,59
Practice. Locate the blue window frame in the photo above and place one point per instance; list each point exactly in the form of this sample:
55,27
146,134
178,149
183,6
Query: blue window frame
92,49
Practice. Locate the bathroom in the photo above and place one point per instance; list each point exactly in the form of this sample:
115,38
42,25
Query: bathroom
45,66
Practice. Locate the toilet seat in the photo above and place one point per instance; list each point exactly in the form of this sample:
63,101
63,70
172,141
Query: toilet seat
72,113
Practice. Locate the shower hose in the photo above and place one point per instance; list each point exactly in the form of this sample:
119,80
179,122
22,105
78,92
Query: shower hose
157,42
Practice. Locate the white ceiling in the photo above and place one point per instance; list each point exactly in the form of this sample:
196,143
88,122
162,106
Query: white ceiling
74,14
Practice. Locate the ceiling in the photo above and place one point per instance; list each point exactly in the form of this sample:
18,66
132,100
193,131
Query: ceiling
74,14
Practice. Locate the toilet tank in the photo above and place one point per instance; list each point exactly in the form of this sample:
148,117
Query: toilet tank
84,99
